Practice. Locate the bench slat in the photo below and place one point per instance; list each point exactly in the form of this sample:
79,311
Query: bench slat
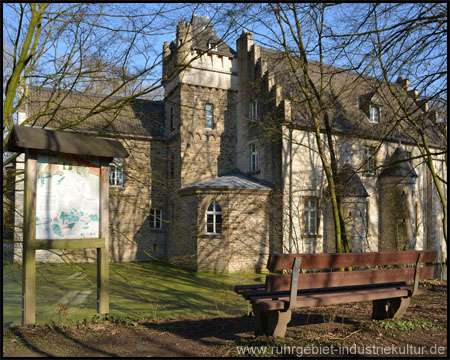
321,298
346,278
241,288
277,262
263,294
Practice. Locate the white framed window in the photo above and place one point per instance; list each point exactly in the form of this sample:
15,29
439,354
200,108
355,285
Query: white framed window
374,114
254,157
253,111
209,116
214,218
310,216
155,219
369,159
116,172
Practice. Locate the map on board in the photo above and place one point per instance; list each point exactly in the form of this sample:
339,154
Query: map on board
67,197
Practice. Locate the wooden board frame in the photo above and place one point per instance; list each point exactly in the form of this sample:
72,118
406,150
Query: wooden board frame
31,244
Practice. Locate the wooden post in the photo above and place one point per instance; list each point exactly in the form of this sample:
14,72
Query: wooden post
102,253
29,235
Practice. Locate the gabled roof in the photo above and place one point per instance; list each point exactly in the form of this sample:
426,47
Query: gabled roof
399,165
234,180
203,33
62,110
346,96
24,137
348,183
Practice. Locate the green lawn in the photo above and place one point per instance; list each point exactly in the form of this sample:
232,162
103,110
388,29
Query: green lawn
154,290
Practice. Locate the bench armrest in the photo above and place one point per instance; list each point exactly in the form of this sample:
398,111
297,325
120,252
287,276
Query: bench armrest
416,275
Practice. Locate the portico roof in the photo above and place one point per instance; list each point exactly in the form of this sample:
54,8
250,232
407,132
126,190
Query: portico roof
234,180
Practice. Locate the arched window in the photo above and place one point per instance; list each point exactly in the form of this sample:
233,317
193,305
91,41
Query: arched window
214,218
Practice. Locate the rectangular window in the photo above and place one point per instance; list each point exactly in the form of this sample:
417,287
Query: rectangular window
209,115
254,157
116,172
172,166
171,121
374,114
310,216
155,219
254,111
369,159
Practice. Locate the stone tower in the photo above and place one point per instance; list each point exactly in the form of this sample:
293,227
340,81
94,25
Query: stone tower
200,84
397,185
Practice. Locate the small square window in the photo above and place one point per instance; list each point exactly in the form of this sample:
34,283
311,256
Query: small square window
155,219
374,114
116,172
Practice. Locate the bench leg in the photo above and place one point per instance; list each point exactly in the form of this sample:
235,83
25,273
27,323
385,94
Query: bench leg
260,321
390,308
277,322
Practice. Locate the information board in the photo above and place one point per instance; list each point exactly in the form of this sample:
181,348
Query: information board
67,197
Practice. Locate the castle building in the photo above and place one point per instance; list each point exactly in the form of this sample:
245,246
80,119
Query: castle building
226,170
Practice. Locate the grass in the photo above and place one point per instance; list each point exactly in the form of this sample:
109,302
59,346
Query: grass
156,290
405,325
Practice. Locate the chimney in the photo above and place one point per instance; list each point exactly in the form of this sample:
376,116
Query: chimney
404,83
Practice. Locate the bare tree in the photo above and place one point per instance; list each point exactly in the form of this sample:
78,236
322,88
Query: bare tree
319,43
408,42
86,67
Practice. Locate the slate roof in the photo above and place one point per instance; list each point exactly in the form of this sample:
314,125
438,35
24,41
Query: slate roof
399,165
61,110
234,180
349,184
203,33
348,94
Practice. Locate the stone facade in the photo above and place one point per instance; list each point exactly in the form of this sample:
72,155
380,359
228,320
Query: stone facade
236,133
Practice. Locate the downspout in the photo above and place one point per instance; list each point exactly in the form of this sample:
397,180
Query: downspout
290,194
165,199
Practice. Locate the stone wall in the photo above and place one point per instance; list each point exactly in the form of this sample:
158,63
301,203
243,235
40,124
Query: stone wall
131,238
206,153
244,243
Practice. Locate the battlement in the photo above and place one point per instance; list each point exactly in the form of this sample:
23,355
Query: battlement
198,57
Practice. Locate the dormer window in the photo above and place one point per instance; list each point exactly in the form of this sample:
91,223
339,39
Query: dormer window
374,114
370,105
212,46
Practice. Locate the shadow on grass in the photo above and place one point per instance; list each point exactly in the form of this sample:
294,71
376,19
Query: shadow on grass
83,344
29,345
206,331
212,331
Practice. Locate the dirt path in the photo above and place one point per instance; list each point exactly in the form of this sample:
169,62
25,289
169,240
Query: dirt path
336,328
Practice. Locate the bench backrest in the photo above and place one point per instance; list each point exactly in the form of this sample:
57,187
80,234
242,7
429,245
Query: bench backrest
282,282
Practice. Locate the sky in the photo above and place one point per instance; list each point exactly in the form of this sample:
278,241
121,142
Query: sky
155,29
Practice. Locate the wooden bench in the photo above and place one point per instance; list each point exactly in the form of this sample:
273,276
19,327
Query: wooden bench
389,279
